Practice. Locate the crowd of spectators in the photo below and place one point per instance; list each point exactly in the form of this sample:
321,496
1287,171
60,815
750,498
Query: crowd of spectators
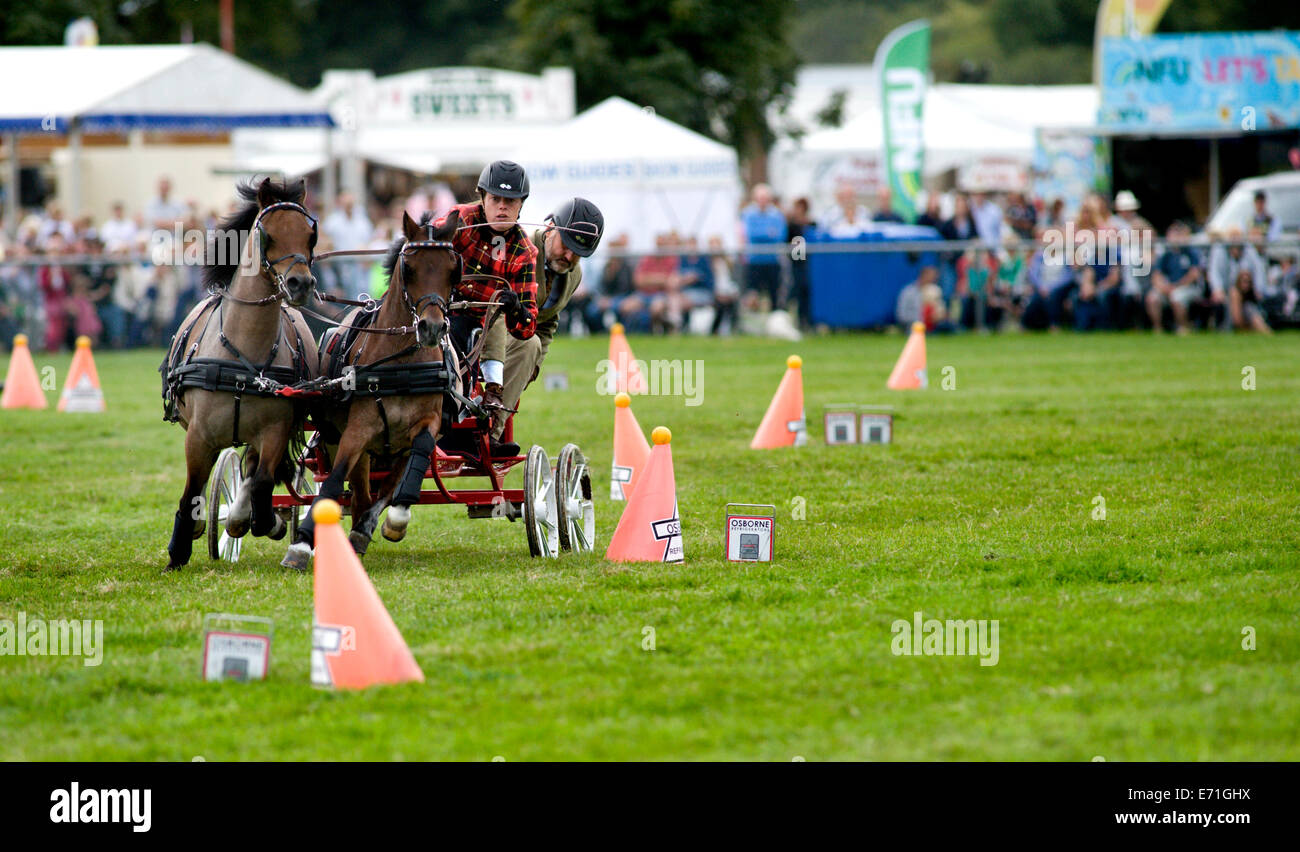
62,278
1105,268
664,291
1015,273
1028,265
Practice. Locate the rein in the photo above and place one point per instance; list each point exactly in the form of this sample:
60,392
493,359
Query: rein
372,252
373,305
410,247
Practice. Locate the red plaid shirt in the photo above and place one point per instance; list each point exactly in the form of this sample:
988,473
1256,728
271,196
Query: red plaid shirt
515,261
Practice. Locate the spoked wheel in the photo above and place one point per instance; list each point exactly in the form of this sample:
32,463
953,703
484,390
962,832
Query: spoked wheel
304,483
539,505
575,512
223,485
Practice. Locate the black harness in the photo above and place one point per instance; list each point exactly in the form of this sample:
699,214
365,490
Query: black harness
183,370
385,377
382,377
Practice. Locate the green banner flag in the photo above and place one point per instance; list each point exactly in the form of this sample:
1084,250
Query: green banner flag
903,64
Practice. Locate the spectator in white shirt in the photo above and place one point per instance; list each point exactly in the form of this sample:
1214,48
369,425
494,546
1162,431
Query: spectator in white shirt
162,212
348,229
848,218
117,231
988,219
52,224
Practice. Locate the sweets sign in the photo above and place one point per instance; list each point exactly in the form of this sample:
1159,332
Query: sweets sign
471,95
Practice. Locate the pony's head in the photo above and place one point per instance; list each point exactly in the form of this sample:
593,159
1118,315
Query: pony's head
423,268
286,237
281,238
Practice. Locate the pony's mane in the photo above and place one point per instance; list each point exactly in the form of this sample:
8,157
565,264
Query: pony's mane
219,275
390,259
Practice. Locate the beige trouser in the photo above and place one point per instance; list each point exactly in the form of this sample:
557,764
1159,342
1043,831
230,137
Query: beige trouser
494,347
523,362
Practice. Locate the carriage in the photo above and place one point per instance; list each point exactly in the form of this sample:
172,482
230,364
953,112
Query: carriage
555,503
257,419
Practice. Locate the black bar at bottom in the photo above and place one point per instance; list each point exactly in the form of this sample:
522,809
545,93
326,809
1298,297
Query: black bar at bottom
967,800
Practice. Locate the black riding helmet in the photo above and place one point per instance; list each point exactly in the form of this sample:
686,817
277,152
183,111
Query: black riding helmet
581,225
504,178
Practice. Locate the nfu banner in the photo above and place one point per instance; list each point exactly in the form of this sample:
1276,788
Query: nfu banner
1199,82
903,63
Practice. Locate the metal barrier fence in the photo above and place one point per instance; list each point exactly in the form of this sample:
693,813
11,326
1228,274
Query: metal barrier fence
1289,245
22,304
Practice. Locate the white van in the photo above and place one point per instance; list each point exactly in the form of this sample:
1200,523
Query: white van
1238,207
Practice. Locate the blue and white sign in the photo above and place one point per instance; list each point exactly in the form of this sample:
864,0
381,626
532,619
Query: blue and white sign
1239,82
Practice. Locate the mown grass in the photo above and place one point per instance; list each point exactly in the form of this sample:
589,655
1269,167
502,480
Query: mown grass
1119,637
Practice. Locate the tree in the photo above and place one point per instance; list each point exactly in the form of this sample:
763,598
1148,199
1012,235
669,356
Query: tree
713,67
296,40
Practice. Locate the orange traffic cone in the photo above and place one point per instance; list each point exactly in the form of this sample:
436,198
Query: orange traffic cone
22,388
650,530
626,370
354,641
631,449
81,391
909,372
783,425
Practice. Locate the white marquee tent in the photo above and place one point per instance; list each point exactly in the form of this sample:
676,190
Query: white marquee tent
123,88
963,124
647,174
151,87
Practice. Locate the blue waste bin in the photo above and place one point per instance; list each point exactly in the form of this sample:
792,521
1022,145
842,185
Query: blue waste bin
860,289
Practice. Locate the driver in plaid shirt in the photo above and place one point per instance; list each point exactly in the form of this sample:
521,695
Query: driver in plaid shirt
496,246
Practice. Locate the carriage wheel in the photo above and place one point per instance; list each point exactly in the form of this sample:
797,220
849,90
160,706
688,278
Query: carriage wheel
223,485
539,504
305,484
574,510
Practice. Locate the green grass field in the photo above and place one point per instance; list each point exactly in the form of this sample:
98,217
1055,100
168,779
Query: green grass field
1119,638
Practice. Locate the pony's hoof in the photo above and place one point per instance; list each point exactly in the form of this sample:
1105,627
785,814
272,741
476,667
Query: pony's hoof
237,529
178,553
395,522
359,541
200,528
278,529
298,557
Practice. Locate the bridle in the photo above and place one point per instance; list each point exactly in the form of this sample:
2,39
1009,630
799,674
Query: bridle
409,248
275,278
435,299
372,306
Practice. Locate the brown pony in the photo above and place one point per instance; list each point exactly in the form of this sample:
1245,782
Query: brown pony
395,411
234,349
